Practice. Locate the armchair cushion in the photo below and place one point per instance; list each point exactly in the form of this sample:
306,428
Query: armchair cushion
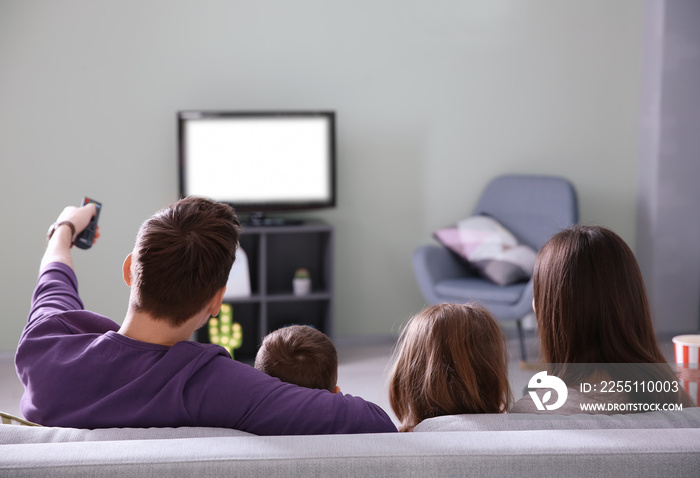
464,289
490,249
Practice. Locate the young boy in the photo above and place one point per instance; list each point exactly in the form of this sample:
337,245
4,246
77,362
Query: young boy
301,355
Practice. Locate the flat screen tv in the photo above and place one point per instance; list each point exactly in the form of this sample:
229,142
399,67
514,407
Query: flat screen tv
259,162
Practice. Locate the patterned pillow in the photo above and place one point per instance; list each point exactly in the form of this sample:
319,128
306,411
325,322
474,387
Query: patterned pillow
490,249
8,419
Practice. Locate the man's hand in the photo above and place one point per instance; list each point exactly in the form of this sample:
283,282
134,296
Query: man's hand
79,216
61,241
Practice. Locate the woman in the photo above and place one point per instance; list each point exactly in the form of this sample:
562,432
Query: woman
594,321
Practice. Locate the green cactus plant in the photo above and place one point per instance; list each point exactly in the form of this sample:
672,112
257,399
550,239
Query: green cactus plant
224,331
301,273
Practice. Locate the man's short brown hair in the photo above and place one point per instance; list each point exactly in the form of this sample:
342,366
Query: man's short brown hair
301,355
182,258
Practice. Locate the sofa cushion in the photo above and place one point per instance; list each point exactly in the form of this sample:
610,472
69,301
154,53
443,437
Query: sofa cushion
688,418
474,288
561,453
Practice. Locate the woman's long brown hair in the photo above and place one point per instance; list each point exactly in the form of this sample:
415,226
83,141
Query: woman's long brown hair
590,300
591,304
450,359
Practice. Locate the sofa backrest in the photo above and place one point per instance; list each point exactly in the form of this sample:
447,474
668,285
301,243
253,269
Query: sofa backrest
561,453
687,418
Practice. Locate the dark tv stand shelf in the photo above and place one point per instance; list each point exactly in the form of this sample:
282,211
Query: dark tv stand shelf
274,254
262,220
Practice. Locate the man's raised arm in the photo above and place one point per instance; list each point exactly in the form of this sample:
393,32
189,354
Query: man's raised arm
72,221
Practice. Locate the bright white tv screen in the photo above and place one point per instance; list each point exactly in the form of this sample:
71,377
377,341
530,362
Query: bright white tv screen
258,160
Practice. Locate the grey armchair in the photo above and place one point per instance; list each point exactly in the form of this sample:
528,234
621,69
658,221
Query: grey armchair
533,208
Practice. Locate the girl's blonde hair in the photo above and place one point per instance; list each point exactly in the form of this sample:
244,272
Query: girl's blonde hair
450,359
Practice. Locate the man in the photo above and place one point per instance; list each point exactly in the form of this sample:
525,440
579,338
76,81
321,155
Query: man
83,370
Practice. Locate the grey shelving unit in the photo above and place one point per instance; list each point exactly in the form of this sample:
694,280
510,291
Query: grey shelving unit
274,254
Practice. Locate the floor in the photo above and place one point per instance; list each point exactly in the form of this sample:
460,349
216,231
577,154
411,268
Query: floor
363,370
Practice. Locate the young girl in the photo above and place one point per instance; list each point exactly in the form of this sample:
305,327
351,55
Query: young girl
450,359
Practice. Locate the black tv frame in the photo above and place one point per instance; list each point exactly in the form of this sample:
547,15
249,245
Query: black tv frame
257,210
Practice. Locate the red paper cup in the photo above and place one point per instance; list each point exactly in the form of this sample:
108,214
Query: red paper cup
687,349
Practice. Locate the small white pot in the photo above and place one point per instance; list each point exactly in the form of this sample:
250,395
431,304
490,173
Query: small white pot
301,286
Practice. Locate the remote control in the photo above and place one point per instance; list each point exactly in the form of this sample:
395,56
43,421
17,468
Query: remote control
85,239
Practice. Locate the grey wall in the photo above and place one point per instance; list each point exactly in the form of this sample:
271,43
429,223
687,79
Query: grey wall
668,229
433,100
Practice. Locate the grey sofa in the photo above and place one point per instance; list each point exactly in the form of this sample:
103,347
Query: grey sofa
651,444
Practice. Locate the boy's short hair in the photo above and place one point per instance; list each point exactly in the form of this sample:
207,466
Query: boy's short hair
301,355
182,257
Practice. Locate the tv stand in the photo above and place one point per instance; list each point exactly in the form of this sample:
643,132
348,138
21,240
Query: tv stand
258,219
274,255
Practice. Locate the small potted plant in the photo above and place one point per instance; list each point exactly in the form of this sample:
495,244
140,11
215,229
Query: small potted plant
301,282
